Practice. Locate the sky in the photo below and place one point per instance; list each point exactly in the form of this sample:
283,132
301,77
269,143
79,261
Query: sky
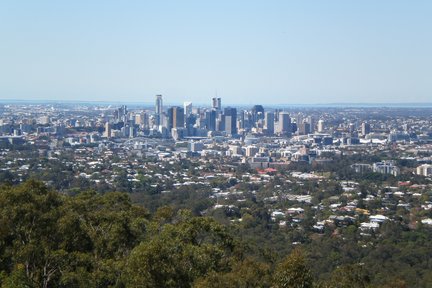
246,52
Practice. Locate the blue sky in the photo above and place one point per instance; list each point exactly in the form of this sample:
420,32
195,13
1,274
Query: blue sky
267,52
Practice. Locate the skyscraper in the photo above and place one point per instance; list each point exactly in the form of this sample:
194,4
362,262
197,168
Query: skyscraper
187,108
299,119
190,121
365,127
158,110
304,128
175,117
257,114
311,121
210,117
269,122
217,104
284,123
120,114
230,117
320,126
107,130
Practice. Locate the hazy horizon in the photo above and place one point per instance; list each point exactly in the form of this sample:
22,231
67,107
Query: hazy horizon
149,104
246,52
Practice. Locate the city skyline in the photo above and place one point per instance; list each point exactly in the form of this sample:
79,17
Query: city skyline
244,52
215,143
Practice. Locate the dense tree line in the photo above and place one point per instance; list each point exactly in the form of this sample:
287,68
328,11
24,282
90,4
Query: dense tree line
90,240
48,239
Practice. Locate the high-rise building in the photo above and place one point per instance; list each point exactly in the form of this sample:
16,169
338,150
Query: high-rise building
269,122
257,114
120,114
138,118
158,110
246,120
304,128
175,117
187,108
320,126
210,117
217,104
351,127
284,124
311,121
107,130
230,117
190,122
299,119
365,128
242,120
132,132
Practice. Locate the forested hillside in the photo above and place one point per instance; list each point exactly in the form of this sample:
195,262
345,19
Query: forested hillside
48,239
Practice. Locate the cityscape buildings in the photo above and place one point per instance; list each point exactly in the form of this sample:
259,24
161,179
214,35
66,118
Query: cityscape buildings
359,171
158,110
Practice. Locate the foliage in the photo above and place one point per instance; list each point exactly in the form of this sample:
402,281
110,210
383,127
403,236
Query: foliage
49,239
293,272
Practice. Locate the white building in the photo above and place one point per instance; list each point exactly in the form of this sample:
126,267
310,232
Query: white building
424,170
320,126
386,167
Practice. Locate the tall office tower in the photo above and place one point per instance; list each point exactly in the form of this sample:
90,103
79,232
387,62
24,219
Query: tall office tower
311,121
299,119
139,118
120,114
351,127
284,123
230,117
320,126
217,104
175,117
131,117
365,128
132,132
190,122
214,103
229,123
245,121
276,113
220,123
107,130
304,128
158,110
246,117
269,122
210,117
257,114
145,121
242,120
123,111
187,108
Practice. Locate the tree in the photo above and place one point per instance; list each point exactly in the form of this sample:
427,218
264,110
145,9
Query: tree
293,272
349,276
51,240
28,214
244,274
177,253
16,279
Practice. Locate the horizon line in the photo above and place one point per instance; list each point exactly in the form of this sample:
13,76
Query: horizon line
134,102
